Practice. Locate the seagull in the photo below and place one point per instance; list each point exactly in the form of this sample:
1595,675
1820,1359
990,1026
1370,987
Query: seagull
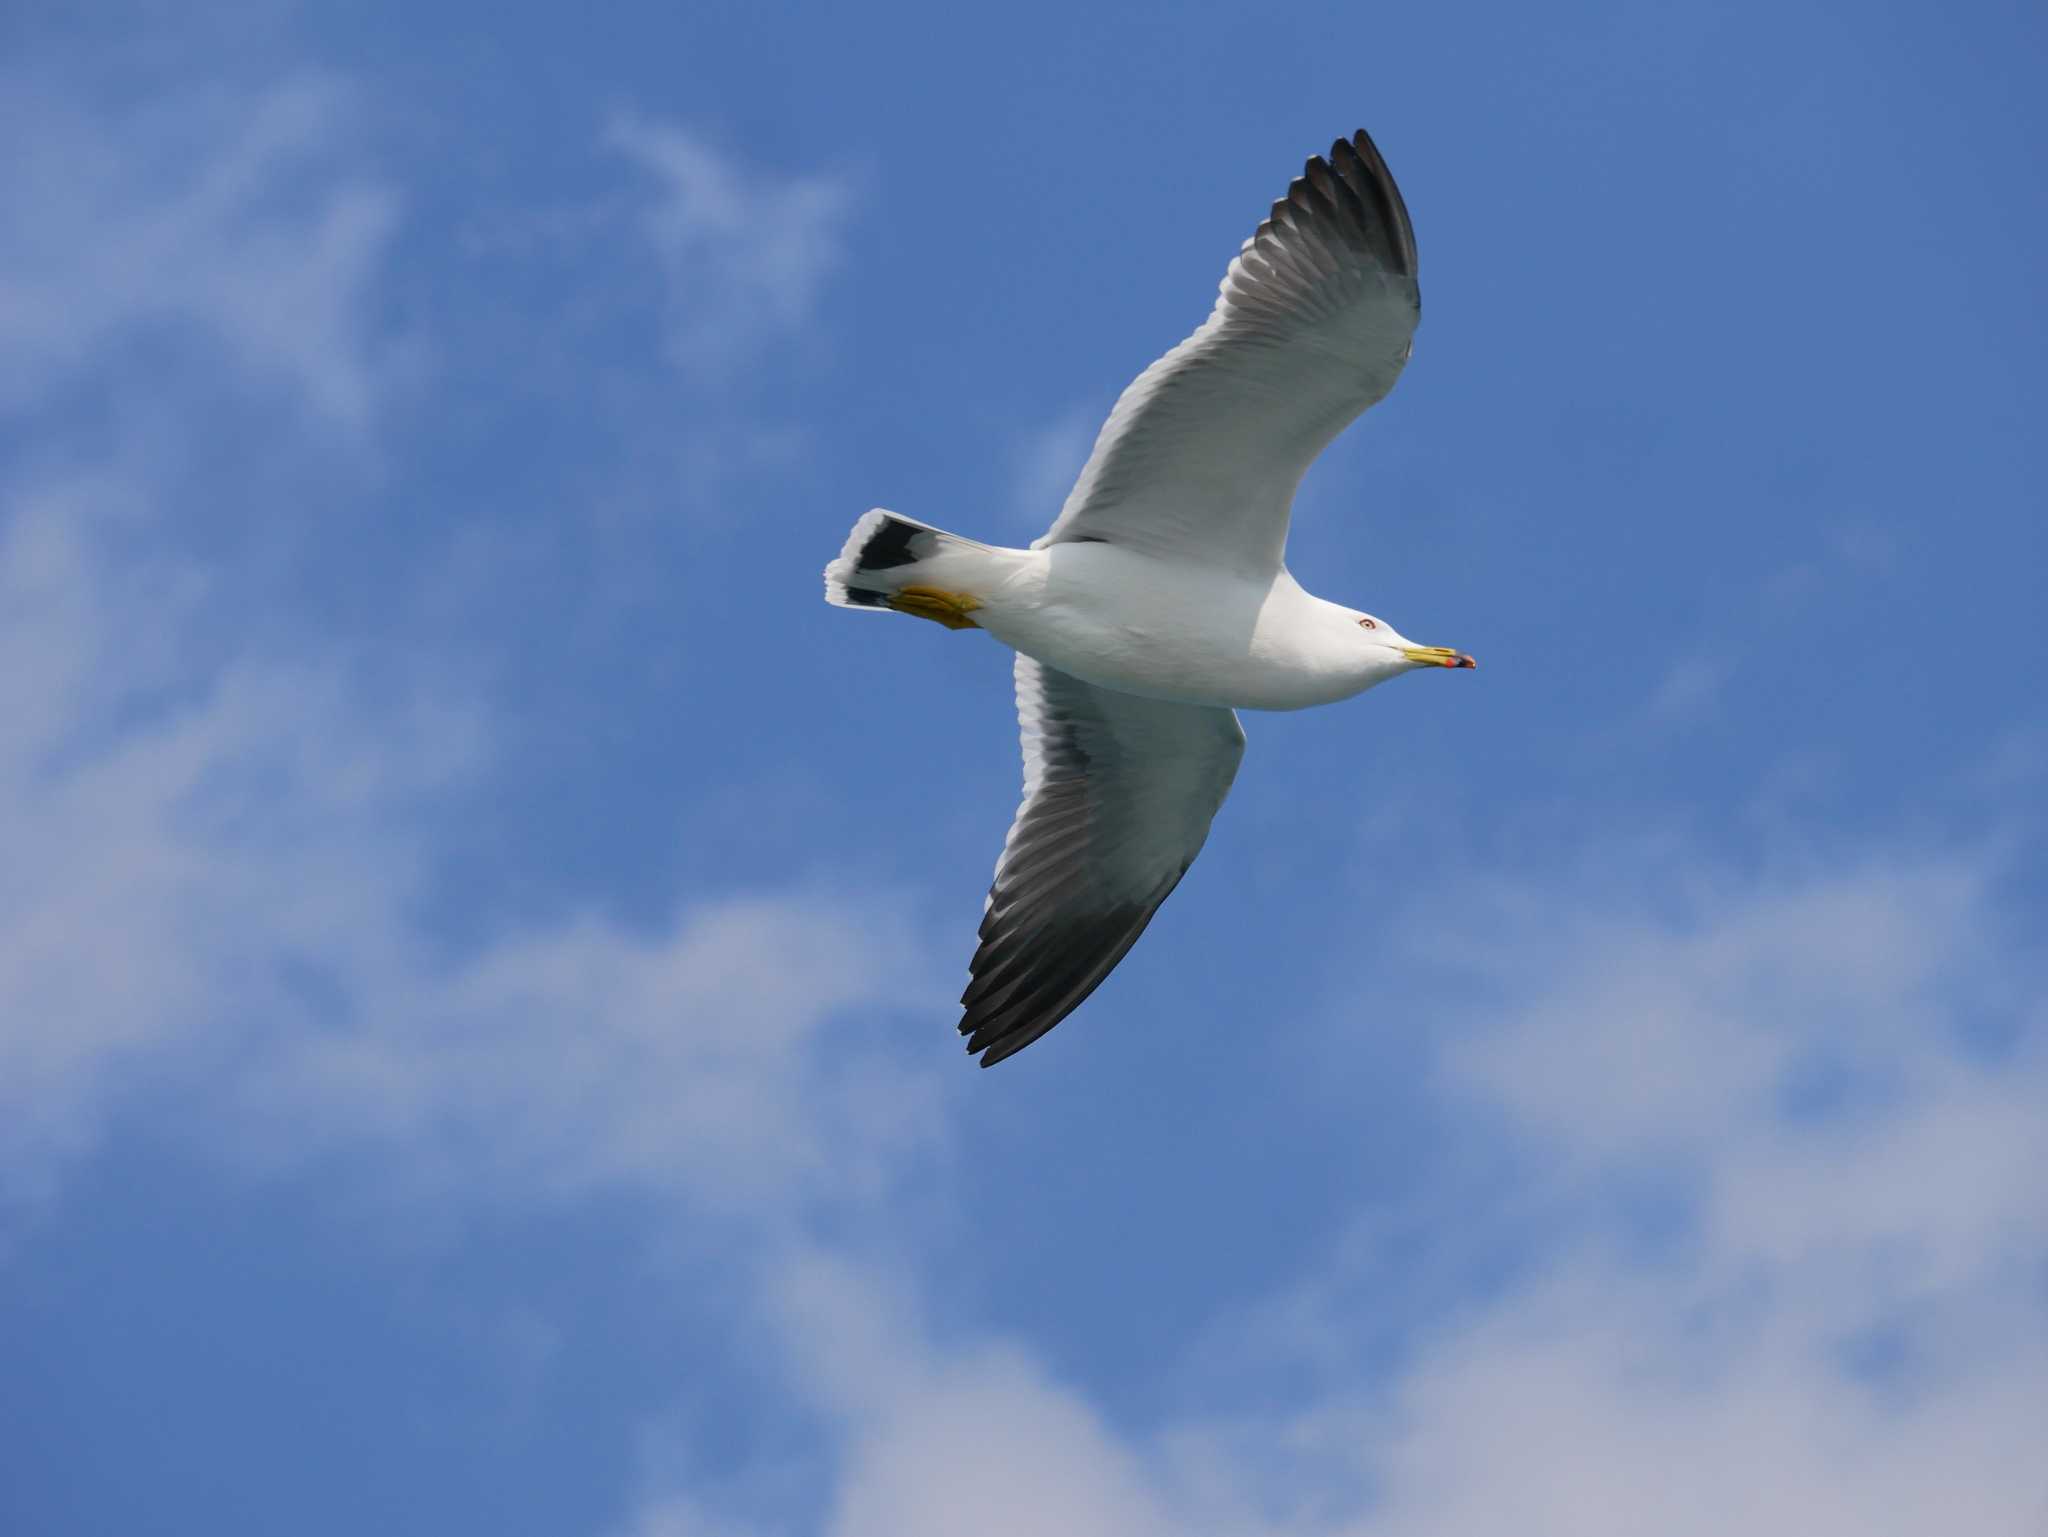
1159,603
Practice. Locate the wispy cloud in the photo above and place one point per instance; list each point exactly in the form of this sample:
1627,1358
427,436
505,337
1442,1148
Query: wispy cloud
242,217
678,1515
208,869
1688,691
1783,1253
745,249
208,879
715,1060
172,839
177,807
1046,462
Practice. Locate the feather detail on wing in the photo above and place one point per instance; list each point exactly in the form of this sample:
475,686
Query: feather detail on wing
1118,796
1202,454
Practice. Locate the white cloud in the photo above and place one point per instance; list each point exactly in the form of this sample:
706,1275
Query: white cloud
1842,1329
745,250
177,819
1663,1030
1046,463
1839,1330
238,217
206,872
170,840
936,1441
678,1515
1689,690
205,881
991,1447
712,1059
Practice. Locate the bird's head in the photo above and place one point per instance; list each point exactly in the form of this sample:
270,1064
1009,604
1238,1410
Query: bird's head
1397,653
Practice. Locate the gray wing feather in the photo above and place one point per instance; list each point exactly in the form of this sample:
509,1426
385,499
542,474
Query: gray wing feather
1118,796
1201,456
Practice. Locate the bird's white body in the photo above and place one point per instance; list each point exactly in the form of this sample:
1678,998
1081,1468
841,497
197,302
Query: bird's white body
1173,630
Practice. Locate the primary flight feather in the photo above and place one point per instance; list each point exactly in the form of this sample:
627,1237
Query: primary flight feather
1159,602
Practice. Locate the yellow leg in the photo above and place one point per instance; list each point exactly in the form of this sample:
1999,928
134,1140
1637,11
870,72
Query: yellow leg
936,604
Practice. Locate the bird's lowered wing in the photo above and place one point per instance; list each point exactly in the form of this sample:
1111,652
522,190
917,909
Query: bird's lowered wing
1118,795
1201,456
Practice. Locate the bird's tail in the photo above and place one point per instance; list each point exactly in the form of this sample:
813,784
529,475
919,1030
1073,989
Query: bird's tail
881,555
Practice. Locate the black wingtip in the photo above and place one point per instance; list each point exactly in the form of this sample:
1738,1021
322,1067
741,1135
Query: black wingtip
989,1053
1352,185
1360,150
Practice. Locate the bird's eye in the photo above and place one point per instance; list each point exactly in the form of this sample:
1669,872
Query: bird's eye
1368,624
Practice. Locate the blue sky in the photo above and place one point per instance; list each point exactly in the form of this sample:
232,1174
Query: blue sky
478,934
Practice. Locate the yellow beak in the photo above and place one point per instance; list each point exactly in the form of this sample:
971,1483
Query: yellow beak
1437,656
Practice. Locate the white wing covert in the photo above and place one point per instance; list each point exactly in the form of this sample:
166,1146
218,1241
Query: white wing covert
1202,454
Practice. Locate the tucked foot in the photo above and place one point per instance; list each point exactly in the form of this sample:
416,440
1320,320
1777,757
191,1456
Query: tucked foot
936,604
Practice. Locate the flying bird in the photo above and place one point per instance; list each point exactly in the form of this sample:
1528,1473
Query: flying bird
1159,603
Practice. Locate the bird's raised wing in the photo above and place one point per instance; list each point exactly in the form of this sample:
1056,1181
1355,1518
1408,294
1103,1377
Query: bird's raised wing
1118,795
1201,456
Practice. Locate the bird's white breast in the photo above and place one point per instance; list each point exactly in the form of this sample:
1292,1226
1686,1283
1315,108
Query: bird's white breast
1165,630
